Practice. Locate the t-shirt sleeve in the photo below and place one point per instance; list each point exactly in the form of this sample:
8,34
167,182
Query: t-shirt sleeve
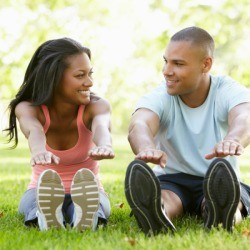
156,101
231,93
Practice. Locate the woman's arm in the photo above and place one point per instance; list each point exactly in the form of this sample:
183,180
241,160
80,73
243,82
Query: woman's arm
101,127
33,131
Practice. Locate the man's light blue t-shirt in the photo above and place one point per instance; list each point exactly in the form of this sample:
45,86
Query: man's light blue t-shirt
188,134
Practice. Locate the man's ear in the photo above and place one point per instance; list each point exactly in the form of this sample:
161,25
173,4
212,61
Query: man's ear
207,64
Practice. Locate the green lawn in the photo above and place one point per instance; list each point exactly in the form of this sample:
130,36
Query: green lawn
122,231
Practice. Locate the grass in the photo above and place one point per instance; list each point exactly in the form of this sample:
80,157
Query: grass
122,231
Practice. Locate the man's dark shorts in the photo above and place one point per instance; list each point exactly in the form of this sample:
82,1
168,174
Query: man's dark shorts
189,189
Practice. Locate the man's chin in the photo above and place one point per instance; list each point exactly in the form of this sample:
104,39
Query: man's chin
171,92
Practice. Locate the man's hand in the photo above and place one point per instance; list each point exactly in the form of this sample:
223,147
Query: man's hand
44,158
225,148
101,152
154,156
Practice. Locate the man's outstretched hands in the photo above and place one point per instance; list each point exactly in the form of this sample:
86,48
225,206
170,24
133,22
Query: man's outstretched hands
225,148
154,156
101,152
44,158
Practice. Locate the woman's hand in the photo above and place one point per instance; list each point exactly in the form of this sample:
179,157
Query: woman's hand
44,158
101,152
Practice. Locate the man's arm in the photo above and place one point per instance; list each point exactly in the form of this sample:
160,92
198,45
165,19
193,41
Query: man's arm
142,129
238,135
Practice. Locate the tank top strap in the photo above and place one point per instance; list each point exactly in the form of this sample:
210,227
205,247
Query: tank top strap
80,114
47,118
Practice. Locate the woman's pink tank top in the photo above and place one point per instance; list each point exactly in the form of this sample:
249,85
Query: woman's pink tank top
71,160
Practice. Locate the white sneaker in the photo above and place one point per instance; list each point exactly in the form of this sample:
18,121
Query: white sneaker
50,197
85,196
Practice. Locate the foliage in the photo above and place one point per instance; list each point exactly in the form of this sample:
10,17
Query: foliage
127,39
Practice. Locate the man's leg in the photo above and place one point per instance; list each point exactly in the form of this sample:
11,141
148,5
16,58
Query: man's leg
143,193
172,204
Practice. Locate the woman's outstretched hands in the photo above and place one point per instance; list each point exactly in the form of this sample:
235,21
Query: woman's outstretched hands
101,152
44,158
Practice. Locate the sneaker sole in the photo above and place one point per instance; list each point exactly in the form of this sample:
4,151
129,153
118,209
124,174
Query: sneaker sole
222,194
143,193
50,197
85,196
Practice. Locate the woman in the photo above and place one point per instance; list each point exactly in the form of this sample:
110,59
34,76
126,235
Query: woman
68,131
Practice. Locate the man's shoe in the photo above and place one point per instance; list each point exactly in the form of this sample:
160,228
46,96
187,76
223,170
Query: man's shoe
85,196
143,193
50,197
222,194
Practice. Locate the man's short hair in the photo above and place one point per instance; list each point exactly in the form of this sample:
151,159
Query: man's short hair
198,37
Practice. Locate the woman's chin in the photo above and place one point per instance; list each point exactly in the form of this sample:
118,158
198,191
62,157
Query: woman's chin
86,101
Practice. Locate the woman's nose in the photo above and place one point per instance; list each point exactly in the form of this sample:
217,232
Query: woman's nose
88,82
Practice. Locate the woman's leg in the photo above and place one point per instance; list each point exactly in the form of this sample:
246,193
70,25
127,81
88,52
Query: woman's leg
28,207
102,213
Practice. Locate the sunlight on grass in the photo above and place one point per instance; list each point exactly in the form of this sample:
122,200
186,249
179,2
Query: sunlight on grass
122,231
10,160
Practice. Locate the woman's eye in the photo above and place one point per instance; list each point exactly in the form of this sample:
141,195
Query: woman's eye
80,76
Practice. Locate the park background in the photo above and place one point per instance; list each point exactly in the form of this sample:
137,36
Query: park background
127,39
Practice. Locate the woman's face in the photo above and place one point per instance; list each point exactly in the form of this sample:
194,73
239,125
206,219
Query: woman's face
76,81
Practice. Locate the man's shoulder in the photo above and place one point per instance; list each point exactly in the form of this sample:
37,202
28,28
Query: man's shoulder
221,80
159,91
226,83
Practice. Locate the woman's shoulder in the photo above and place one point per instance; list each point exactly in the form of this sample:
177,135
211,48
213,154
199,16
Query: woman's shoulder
96,100
98,105
26,108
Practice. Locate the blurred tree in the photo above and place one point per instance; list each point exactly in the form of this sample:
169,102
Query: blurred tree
127,39
225,20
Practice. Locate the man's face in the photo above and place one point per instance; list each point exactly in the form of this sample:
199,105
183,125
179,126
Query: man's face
183,68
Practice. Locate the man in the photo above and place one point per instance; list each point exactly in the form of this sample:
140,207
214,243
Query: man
192,127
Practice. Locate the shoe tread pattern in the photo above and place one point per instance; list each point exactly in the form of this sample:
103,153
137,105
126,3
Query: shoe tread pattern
143,193
85,196
222,194
50,197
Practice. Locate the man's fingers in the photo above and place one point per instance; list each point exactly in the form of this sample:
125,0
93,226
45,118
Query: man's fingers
210,156
163,162
154,156
225,148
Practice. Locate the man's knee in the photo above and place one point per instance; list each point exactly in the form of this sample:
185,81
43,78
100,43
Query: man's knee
172,204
